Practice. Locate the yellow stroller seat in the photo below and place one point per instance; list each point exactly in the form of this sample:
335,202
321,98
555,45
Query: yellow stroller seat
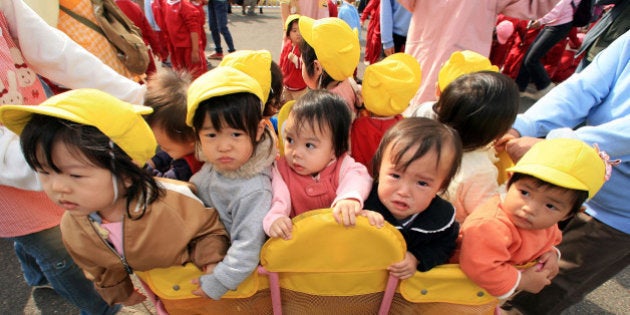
327,268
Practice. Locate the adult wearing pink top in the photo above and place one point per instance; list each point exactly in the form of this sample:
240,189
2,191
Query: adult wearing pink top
434,33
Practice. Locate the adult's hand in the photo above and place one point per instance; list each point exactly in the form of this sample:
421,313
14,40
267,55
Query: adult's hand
517,147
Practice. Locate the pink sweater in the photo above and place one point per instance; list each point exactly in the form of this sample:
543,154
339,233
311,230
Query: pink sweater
435,33
560,14
294,194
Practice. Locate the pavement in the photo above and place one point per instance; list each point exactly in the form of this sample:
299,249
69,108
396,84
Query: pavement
261,31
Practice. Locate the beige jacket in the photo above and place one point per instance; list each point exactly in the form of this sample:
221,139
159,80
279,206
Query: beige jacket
174,230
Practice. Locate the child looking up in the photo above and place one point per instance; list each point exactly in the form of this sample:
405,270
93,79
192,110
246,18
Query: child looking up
87,148
291,61
166,94
330,54
481,107
225,108
316,170
417,159
548,184
388,86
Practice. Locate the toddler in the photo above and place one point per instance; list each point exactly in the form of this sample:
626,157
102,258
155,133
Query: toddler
458,64
225,108
388,86
330,54
87,148
481,107
291,61
316,170
548,184
183,23
166,94
414,162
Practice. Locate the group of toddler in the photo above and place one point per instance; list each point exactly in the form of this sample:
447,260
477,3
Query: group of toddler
342,147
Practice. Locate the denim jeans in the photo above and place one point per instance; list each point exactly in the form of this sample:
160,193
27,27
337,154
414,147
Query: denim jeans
531,68
217,21
44,259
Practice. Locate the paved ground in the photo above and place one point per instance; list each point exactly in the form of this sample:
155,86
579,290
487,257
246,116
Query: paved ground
254,32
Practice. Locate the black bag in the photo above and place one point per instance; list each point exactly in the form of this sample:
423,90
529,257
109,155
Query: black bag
583,13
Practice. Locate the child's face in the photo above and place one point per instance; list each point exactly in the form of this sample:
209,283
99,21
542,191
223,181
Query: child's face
408,192
174,149
294,34
228,149
80,187
534,207
307,149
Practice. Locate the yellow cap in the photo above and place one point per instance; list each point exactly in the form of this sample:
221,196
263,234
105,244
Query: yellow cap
389,84
290,19
568,163
120,121
218,82
463,62
255,63
335,43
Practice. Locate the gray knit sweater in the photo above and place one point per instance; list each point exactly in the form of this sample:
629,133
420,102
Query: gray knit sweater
242,198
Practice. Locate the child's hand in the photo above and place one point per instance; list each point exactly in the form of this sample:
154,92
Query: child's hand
404,269
533,280
549,261
135,298
376,219
209,268
282,227
345,211
199,291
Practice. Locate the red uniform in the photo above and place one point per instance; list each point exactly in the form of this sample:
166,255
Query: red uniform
181,19
135,14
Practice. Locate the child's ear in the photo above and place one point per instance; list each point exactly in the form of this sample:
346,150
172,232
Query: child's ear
318,68
261,129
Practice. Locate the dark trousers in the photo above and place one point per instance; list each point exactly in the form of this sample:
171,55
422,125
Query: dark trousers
532,69
592,253
217,22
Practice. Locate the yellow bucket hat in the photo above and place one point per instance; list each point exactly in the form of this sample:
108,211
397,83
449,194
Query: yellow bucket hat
335,43
568,163
290,19
460,63
255,63
120,121
389,84
218,82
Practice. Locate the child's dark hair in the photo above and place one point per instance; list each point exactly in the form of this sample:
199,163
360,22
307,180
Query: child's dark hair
42,132
166,94
322,109
481,106
288,30
239,111
429,135
308,57
274,102
579,196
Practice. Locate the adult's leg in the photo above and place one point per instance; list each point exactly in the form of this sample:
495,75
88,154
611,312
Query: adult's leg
213,23
546,39
221,17
584,266
47,249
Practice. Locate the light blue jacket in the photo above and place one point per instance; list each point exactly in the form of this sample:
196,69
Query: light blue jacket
350,14
599,97
394,20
